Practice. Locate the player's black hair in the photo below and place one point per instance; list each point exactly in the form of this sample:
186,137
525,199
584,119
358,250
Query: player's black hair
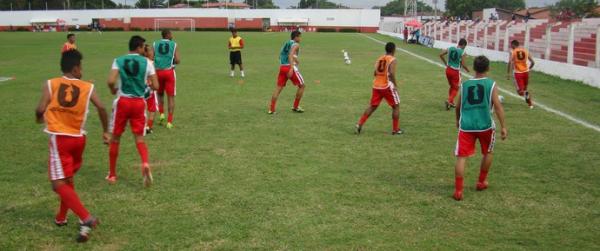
481,64
69,60
164,33
515,43
136,42
390,47
232,30
70,35
295,34
462,42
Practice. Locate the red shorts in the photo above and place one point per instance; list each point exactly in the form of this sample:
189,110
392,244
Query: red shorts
283,77
521,82
166,82
453,77
465,145
128,109
389,94
66,156
152,102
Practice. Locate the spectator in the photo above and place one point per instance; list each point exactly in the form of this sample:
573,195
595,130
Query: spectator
405,33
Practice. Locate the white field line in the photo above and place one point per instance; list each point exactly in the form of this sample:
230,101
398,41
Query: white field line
512,94
5,79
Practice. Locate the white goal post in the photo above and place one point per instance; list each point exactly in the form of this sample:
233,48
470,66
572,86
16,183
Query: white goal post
177,23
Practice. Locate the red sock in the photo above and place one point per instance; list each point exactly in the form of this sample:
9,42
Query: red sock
452,94
458,184
71,200
150,123
143,151
62,211
170,117
273,103
363,120
396,125
296,103
483,175
113,153
161,108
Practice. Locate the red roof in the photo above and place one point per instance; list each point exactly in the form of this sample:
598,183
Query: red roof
226,5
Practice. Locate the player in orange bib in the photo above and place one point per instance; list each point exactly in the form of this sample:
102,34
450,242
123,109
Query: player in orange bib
521,62
64,107
384,87
70,44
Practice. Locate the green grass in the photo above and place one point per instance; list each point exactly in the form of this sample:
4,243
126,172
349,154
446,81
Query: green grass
230,177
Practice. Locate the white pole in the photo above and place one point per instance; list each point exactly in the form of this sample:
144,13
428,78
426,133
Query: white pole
497,42
485,37
475,29
548,42
458,32
467,32
435,31
506,37
46,5
571,49
598,47
527,35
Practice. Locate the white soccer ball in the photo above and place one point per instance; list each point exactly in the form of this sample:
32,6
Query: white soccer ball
348,61
501,98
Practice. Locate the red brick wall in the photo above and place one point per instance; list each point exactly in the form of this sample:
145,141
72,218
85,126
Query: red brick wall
247,23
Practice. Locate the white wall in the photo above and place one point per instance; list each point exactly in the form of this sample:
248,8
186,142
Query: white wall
587,75
321,17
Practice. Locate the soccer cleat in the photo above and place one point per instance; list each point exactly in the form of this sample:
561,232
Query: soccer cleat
162,119
531,107
271,112
298,110
147,174
399,132
242,74
60,223
111,179
85,229
447,105
358,129
149,130
481,186
458,195
232,74
170,125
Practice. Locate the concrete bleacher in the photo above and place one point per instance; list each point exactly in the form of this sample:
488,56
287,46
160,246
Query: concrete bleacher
584,37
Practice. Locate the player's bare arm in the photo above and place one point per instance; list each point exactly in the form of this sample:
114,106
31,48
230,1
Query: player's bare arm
113,76
154,82
392,71
462,62
293,60
176,59
531,61
499,110
102,115
44,101
443,57
458,104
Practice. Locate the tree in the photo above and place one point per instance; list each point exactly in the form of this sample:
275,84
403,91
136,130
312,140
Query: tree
146,4
318,4
56,4
466,7
396,7
262,4
580,8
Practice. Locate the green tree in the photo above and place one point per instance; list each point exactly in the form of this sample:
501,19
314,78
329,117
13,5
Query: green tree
318,4
56,4
396,7
466,7
262,4
146,4
581,8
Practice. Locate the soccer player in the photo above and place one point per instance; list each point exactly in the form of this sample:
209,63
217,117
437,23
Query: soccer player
521,62
63,107
384,87
70,44
477,98
166,56
133,70
288,70
150,95
236,44
456,61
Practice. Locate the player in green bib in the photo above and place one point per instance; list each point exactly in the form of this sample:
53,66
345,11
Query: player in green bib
456,60
131,72
288,70
478,98
166,56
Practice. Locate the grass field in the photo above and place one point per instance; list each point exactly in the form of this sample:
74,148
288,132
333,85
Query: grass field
230,177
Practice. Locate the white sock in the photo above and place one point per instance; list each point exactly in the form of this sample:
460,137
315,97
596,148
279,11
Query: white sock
242,72
232,73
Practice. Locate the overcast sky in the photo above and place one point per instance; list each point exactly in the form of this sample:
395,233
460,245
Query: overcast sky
371,3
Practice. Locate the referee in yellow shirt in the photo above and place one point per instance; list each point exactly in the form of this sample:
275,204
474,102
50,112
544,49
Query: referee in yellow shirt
236,44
